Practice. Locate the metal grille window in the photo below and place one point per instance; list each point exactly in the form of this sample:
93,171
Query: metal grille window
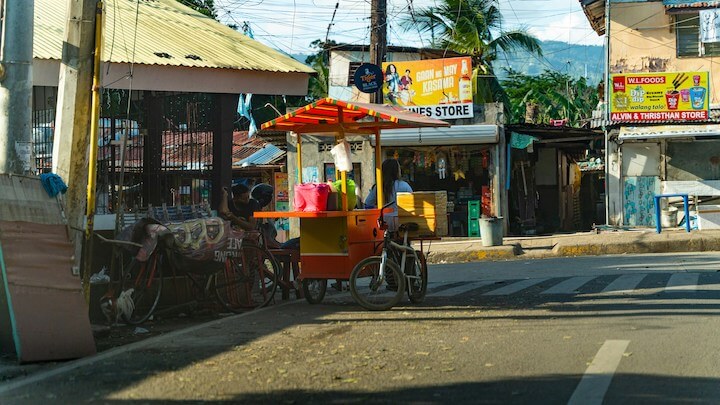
687,33
43,126
351,72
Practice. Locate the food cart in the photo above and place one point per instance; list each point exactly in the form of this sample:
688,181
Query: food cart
332,242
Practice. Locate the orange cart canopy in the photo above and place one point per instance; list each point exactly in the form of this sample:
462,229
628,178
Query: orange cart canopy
331,115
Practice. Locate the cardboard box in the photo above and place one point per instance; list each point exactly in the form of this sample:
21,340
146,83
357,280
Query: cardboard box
428,209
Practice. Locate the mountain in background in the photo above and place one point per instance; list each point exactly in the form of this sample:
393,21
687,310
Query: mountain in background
574,60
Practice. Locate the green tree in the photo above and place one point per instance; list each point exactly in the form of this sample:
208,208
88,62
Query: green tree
206,7
556,95
318,87
473,28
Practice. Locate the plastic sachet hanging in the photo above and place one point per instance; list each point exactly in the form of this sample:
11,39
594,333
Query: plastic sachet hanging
341,156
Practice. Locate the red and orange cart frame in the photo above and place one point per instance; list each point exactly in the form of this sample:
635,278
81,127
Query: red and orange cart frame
332,242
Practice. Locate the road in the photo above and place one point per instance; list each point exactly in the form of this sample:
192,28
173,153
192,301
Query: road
617,329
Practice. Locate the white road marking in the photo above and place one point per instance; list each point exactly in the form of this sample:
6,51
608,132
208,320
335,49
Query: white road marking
568,286
598,376
682,282
624,284
451,292
515,287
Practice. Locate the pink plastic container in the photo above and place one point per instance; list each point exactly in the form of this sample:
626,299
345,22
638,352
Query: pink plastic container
311,197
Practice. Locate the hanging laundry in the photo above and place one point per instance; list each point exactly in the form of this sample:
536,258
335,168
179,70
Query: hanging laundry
245,110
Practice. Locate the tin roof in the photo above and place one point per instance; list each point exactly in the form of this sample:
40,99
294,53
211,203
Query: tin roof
672,4
269,154
166,33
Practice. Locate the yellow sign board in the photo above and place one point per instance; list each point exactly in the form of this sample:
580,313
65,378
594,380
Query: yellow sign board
652,97
437,88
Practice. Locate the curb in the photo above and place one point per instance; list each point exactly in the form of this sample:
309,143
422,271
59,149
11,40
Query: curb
571,248
505,252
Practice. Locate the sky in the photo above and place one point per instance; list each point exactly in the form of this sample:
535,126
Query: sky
291,25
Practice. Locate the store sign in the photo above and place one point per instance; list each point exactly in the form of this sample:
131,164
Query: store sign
437,88
679,96
368,78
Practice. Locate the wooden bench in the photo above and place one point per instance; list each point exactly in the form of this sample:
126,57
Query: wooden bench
289,260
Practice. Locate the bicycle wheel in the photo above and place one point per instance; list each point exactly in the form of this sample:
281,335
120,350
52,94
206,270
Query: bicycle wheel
371,292
314,289
248,281
142,285
417,278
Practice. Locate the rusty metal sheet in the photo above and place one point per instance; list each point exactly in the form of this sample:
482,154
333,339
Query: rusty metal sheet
45,314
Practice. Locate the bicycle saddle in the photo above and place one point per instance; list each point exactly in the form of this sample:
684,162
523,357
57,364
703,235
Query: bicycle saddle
409,226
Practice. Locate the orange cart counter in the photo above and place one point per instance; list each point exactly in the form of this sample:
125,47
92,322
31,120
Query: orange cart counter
332,242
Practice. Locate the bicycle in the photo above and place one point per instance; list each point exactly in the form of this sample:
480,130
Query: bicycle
377,282
243,276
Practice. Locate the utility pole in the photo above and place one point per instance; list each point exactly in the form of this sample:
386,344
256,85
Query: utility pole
72,119
378,39
16,55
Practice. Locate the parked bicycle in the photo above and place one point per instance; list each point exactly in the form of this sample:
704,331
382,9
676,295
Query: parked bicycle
234,266
377,283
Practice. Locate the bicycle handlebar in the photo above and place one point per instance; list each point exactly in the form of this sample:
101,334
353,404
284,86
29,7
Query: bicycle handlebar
381,219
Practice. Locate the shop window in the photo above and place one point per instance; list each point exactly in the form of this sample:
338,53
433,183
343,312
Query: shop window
687,34
353,67
356,174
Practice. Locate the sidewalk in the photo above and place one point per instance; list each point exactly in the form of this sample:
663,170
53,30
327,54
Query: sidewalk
462,250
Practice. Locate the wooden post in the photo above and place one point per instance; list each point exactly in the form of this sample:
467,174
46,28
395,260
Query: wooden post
378,169
378,39
92,159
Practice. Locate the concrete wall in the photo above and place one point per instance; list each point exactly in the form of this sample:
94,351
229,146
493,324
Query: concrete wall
642,39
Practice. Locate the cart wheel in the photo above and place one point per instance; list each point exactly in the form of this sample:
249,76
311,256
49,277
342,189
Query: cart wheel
314,289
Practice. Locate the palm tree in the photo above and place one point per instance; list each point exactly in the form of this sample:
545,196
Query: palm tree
558,96
474,28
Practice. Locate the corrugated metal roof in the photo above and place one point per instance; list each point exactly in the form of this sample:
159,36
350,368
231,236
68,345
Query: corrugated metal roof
168,33
265,156
669,4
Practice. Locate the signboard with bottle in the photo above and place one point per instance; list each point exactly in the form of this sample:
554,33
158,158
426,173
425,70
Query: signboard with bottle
438,88
653,97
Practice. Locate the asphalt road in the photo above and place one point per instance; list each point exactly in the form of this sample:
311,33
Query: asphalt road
617,329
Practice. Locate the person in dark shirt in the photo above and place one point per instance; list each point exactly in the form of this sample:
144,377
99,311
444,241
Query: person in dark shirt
241,208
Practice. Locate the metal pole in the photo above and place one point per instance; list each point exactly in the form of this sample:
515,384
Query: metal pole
378,39
92,164
606,114
16,55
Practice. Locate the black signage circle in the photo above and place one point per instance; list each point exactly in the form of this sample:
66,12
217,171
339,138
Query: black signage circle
368,78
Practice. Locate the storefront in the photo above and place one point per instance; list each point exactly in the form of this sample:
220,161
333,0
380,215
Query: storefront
668,159
556,179
464,160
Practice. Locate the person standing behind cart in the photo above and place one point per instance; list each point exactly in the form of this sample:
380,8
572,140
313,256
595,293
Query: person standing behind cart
392,184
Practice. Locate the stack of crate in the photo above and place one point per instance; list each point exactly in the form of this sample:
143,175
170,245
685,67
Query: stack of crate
428,209
474,218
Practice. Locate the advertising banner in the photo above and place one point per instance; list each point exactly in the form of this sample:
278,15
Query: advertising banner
648,97
437,88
